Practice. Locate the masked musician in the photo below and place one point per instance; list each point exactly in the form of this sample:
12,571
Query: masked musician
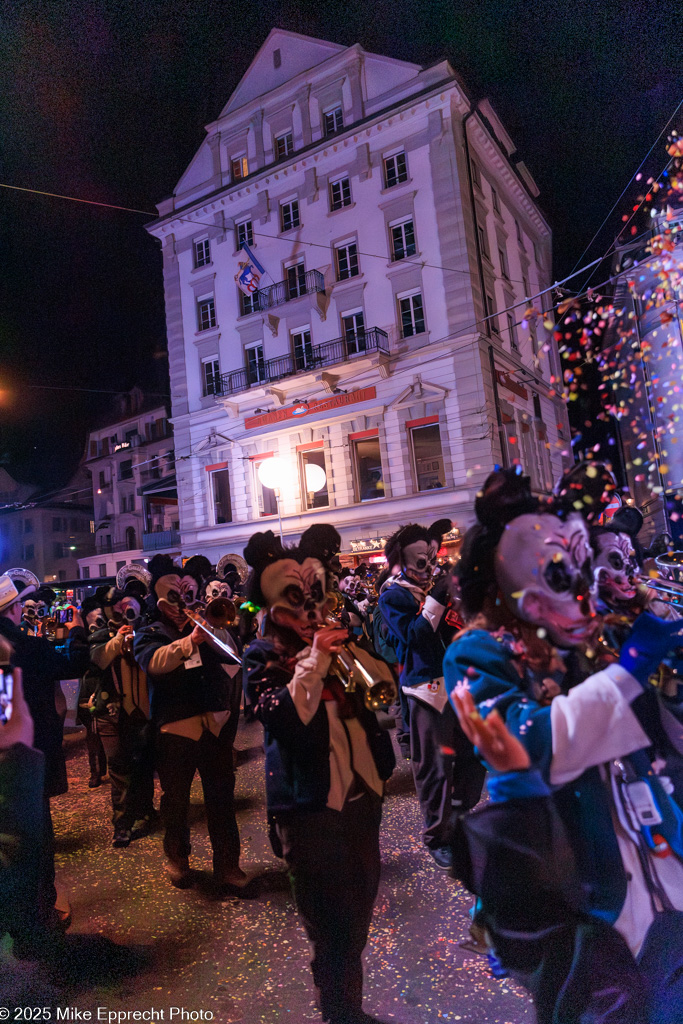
326,764
448,777
92,614
195,699
120,706
607,886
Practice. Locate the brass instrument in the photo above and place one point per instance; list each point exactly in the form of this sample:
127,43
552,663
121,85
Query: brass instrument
219,611
670,566
671,592
355,668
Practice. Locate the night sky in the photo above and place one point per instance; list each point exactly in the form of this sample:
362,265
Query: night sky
107,100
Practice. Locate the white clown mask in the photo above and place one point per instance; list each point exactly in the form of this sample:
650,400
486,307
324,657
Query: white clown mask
295,595
615,568
418,562
543,568
217,588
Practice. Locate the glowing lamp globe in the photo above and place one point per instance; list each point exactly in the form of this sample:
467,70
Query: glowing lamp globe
316,477
272,473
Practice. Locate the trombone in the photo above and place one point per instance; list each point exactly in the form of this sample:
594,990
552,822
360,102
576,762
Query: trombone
670,590
220,613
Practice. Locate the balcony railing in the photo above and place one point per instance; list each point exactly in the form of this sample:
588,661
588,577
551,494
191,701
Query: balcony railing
284,291
107,549
161,539
328,354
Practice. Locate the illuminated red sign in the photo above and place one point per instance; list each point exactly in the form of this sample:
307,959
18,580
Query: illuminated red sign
308,408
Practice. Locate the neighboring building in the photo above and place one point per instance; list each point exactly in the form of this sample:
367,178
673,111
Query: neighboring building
130,463
46,533
389,352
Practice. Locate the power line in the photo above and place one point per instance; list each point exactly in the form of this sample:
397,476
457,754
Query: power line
94,391
75,199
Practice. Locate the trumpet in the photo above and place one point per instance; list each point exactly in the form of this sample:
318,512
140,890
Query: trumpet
355,668
672,593
220,613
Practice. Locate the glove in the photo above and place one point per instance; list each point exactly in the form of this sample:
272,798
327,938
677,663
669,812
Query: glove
440,592
648,644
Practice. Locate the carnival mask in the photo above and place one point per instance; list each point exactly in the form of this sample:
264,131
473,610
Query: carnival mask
169,598
295,595
418,562
543,568
95,620
217,588
29,610
615,568
129,609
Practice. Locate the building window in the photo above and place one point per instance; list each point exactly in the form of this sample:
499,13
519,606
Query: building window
340,193
296,280
28,526
333,120
491,313
537,252
289,215
126,470
202,252
256,368
211,373
58,549
483,241
220,491
56,524
28,552
284,145
102,569
412,315
124,504
311,463
476,174
249,303
494,201
427,457
131,539
504,268
85,572
302,347
403,240
346,257
245,233
239,168
206,314
103,479
512,334
525,286
395,170
353,325
519,233
265,496
367,469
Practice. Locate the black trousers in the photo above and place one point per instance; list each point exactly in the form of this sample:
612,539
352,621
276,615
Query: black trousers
97,759
128,742
334,863
178,759
448,776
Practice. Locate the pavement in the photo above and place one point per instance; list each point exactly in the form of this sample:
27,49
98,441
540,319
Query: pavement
198,955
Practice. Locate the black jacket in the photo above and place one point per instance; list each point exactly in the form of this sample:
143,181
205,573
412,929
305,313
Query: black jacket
298,755
42,666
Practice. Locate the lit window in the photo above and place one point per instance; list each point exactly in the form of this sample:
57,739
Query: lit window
302,347
202,252
367,467
353,325
346,256
289,215
265,496
314,478
284,145
340,193
211,374
256,367
403,240
412,315
239,168
427,457
220,492
245,233
206,314
395,170
296,280
333,121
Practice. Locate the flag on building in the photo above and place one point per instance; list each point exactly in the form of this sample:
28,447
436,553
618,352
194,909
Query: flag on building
250,271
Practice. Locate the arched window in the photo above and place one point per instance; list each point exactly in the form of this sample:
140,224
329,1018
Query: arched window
130,538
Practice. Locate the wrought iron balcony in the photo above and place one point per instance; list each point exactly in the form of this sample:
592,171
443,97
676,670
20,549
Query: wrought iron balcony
284,291
330,353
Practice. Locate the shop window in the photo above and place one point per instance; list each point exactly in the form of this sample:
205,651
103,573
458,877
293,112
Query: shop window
427,457
367,464
220,492
313,472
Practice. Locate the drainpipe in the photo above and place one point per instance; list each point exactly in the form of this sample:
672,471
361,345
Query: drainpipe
492,362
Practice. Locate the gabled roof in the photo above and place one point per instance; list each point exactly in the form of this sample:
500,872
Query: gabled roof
262,76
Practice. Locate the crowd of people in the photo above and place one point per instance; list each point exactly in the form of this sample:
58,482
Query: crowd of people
541,668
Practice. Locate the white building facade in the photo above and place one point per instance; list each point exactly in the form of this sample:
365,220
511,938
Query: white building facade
389,343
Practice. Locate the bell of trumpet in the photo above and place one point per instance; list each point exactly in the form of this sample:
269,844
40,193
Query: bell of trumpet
357,669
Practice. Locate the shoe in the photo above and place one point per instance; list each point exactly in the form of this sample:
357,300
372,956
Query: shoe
231,878
141,828
122,837
94,781
442,857
179,874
